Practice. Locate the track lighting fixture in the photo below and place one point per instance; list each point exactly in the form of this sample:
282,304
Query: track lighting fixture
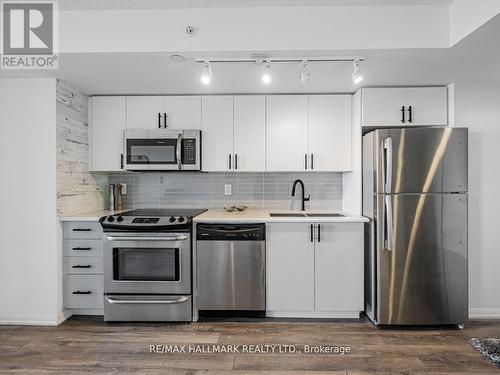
266,76
206,76
357,77
304,73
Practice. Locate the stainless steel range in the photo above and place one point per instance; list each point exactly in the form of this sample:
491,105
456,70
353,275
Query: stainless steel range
147,265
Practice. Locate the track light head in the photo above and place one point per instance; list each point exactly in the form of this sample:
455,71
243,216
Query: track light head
304,76
206,76
357,77
266,76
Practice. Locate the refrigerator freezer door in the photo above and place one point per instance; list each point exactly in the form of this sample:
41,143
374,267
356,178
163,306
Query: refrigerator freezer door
421,259
420,160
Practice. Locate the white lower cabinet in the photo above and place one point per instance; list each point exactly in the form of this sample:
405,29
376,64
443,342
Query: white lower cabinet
314,270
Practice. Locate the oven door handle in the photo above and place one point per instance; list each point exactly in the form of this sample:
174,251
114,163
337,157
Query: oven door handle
140,238
178,150
146,302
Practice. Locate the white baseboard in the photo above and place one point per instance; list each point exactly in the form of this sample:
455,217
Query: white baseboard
484,313
313,314
87,311
29,319
64,315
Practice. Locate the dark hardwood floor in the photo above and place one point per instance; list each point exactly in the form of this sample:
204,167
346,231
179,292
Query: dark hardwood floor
87,344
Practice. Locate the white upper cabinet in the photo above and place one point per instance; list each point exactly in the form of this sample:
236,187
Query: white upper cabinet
183,112
428,105
250,133
107,123
330,133
404,106
383,106
217,133
289,267
287,133
145,112
339,267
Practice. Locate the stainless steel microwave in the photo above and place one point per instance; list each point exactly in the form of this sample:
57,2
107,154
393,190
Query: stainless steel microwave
162,149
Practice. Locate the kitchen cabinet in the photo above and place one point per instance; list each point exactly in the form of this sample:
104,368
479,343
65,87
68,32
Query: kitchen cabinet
290,267
154,112
217,133
404,106
315,269
107,123
250,133
145,112
287,133
338,265
330,133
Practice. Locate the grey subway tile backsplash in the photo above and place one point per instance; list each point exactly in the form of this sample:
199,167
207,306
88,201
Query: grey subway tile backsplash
206,190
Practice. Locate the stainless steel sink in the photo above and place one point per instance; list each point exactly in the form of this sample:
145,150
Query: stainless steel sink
325,215
287,215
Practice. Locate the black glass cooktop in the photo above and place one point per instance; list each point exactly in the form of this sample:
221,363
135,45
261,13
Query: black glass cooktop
159,212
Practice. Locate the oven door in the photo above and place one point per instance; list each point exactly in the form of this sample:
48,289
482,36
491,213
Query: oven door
137,263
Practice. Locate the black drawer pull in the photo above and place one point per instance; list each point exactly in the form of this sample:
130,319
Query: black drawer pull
78,292
80,266
82,248
81,229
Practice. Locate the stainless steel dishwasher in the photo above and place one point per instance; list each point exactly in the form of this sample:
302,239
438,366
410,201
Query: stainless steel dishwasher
231,267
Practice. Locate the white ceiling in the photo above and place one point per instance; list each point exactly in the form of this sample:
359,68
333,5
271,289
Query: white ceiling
185,4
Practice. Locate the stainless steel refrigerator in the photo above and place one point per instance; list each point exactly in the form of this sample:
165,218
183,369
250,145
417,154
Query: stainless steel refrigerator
415,194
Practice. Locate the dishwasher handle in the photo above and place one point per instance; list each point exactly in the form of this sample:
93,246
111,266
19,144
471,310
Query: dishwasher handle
231,232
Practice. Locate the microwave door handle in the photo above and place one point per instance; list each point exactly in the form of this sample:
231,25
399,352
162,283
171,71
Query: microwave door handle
179,145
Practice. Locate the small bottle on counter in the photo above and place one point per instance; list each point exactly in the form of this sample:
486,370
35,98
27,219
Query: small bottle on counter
119,198
111,197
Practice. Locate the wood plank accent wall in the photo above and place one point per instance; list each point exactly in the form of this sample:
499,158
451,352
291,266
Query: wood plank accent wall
77,189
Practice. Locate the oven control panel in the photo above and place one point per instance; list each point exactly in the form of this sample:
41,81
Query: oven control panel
143,222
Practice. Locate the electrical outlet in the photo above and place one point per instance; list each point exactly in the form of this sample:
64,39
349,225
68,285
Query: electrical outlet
227,189
124,188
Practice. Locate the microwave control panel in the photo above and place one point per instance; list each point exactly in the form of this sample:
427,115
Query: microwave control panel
189,151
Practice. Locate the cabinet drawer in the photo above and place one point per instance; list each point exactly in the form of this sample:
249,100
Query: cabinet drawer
82,229
83,265
83,248
83,291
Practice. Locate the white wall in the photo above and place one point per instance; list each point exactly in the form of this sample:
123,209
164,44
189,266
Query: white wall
477,106
28,222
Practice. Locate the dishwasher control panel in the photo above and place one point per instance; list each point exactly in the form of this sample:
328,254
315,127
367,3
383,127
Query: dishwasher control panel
231,232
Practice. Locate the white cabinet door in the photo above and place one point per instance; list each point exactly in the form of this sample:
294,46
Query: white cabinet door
429,105
217,133
107,123
382,106
183,112
339,267
330,132
250,133
144,112
287,133
290,267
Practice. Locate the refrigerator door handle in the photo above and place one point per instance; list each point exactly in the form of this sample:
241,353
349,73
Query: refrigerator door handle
388,223
388,164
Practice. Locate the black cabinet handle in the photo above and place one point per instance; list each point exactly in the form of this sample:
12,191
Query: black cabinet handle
229,161
165,120
82,248
121,161
81,229
235,161
409,115
305,162
80,266
319,232
312,234
78,292
312,161
403,114
159,120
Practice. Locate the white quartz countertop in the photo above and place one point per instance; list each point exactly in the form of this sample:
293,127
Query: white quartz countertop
257,215
88,216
